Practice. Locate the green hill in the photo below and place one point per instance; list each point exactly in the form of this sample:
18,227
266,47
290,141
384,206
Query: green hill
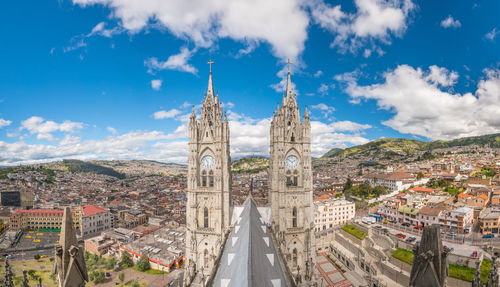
74,165
393,147
250,165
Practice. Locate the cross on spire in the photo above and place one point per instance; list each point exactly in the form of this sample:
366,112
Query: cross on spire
288,62
210,62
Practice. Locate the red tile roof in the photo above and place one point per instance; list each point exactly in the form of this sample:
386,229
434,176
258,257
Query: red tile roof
422,189
38,212
92,209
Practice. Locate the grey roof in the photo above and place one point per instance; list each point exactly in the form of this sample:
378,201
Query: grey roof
250,257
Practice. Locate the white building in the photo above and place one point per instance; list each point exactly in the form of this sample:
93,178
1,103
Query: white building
333,212
94,220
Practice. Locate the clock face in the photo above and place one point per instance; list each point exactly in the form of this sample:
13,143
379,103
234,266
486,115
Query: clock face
292,162
207,161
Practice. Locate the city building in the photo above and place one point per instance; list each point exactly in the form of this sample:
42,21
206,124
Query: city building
164,248
332,212
94,220
35,219
489,221
88,220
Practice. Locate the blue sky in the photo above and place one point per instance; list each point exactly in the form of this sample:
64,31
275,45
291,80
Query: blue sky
112,79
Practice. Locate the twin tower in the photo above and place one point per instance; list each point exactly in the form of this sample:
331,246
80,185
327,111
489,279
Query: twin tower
209,209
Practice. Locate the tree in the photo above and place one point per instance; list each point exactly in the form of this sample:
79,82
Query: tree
31,273
143,264
126,260
37,256
98,276
121,276
348,184
110,263
136,284
420,175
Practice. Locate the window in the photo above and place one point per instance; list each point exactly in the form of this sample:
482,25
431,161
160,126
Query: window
295,178
205,217
205,258
294,217
294,257
204,178
293,138
288,178
211,179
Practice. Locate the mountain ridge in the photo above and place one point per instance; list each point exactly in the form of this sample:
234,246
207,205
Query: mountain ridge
402,146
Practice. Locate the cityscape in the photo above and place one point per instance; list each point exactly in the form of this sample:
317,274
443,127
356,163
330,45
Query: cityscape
376,167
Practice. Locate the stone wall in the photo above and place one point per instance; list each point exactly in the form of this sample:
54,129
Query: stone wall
383,241
395,275
346,244
464,260
400,264
404,245
354,239
453,282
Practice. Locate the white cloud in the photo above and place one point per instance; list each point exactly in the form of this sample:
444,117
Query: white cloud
337,134
323,88
204,22
421,106
44,129
4,123
100,29
318,74
373,20
491,35
177,62
249,136
112,130
325,109
132,145
283,75
156,84
449,22
159,115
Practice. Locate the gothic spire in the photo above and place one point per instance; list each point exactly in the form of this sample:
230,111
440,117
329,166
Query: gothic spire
69,265
210,89
306,114
289,88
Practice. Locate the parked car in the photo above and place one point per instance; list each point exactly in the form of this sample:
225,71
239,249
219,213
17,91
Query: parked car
474,254
385,222
385,229
418,227
451,234
488,236
401,235
406,224
411,239
378,226
418,242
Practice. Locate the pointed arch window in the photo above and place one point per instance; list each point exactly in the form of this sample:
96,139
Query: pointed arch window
295,178
211,179
288,178
205,258
294,217
205,217
292,139
294,257
204,178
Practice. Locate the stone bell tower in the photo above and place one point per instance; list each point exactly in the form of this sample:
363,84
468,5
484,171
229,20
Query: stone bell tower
290,177
208,188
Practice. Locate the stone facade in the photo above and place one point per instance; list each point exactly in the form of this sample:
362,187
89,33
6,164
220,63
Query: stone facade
208,208
290,178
